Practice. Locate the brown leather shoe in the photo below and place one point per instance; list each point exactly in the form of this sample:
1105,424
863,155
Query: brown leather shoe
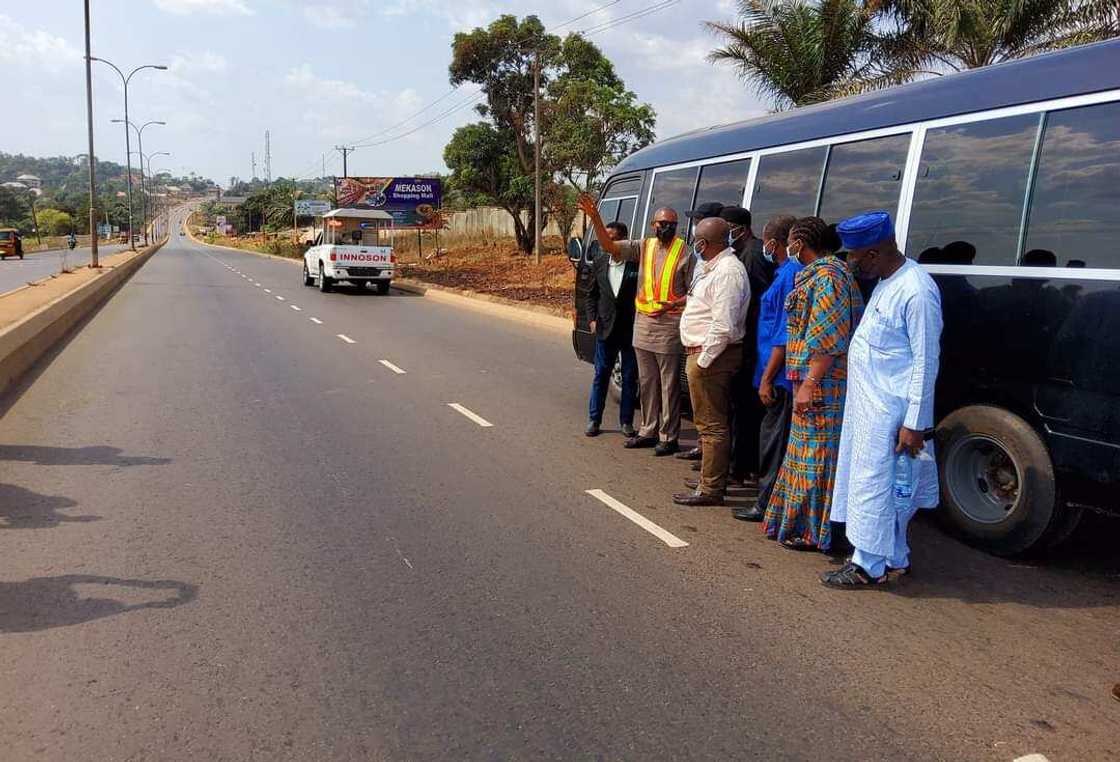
640,442
692,454
697,499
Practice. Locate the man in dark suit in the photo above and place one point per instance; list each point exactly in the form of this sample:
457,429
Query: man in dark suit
610,315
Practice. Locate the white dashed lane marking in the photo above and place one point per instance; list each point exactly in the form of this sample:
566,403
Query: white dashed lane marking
280,298
346,338
399,371
469,414
665,536
297,309
316,321
268,290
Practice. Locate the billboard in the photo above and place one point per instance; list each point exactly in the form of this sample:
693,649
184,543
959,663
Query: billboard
306,207
413,201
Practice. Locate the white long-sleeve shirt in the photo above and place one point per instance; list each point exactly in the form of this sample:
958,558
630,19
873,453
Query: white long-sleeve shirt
715,314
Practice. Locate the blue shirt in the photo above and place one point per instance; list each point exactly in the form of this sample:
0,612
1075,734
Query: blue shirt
772,319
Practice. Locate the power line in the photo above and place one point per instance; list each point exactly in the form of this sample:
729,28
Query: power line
655,8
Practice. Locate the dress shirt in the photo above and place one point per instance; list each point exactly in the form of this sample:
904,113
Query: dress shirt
715,313
615,271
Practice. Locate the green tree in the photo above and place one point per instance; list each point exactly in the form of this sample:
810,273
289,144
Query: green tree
954,35
797,52
54,221
589,120
12,208
486,170
592,120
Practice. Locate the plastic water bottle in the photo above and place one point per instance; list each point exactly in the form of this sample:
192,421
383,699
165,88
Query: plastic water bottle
903,480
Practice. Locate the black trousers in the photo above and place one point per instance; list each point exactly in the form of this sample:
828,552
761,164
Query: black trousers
746,418
773,436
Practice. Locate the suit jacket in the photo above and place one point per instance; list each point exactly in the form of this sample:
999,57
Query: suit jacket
614,315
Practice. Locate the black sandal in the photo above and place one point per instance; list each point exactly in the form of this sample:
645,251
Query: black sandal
851,577
903,571
799,544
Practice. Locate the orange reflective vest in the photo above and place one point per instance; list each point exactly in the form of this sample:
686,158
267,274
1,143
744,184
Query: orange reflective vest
658,286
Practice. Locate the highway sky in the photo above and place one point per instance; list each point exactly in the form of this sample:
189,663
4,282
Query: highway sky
316,75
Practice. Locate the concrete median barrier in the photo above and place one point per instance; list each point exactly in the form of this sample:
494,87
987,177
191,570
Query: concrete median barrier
35,318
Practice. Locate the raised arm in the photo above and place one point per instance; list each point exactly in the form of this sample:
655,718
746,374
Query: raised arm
587,206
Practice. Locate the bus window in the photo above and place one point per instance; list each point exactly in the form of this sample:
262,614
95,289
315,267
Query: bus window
722,183
1076,195
673,189
968,200
608,210
787,183
863,176
626,214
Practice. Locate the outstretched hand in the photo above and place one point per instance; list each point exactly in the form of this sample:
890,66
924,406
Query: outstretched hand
587,204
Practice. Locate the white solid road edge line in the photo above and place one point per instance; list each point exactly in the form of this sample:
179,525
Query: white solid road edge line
470,414
666,537
1032,758
398,370
346,338
316,321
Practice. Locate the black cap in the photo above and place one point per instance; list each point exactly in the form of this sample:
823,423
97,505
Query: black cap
736,215
703,211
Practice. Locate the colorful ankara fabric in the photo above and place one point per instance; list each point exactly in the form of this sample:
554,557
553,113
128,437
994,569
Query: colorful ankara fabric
823,310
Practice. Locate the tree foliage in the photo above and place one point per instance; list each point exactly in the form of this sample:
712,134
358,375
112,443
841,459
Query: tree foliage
797,52
589,120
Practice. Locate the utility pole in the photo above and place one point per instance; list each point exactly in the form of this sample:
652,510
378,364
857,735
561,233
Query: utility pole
324,166
267,157
253,161
537,158
93,261
345,151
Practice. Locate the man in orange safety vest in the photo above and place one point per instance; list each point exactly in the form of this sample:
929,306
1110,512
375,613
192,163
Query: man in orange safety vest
664,273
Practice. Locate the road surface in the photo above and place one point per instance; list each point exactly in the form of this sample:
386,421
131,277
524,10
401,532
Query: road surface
39,264
236,530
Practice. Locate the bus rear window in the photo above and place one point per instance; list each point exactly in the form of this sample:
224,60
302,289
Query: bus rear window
1076,197
968,200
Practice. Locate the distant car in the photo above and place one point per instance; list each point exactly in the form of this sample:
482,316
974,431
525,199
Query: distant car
11,244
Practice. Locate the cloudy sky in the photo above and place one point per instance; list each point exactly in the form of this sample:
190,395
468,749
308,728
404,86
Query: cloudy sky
316,74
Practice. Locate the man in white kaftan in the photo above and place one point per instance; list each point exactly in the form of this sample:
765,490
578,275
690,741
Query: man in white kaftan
892,368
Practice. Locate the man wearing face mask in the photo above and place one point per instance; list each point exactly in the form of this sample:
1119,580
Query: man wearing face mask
712,330
664,273
746,410
888,415
774,390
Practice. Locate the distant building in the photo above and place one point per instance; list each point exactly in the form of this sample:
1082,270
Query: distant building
31,181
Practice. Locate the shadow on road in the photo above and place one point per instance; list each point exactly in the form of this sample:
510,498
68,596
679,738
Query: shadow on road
1083,573
42,603
23,509
94,455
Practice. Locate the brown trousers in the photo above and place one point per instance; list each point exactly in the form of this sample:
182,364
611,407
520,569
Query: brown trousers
659,389
710,390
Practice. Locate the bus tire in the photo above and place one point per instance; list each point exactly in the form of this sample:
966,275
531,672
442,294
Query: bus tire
997,481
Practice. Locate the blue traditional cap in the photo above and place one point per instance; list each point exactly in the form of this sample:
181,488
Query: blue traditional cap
865,230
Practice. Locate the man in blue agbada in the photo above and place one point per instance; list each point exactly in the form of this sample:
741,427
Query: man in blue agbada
892,368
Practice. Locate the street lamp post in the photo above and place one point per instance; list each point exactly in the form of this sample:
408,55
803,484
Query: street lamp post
127,137
150,176
93,260
140,145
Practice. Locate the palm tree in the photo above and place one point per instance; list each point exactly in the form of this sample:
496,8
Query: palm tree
954,35
799,52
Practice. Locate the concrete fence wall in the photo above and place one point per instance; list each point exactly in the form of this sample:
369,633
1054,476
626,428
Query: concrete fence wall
494,222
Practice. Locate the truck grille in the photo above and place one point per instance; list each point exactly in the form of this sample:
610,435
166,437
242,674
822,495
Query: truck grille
367,272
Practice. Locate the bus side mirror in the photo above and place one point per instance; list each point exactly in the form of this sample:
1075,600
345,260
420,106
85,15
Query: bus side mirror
575,250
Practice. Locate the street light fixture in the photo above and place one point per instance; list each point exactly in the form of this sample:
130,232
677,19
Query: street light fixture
127,137
140,142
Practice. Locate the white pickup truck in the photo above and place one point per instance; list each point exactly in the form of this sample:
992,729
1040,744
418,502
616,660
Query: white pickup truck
352,245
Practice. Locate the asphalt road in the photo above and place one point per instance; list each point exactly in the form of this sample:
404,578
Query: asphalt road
39,264
233,534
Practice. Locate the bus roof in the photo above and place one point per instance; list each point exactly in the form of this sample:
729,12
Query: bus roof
1076,71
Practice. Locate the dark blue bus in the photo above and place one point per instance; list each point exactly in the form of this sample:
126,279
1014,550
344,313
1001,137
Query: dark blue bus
1005,183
